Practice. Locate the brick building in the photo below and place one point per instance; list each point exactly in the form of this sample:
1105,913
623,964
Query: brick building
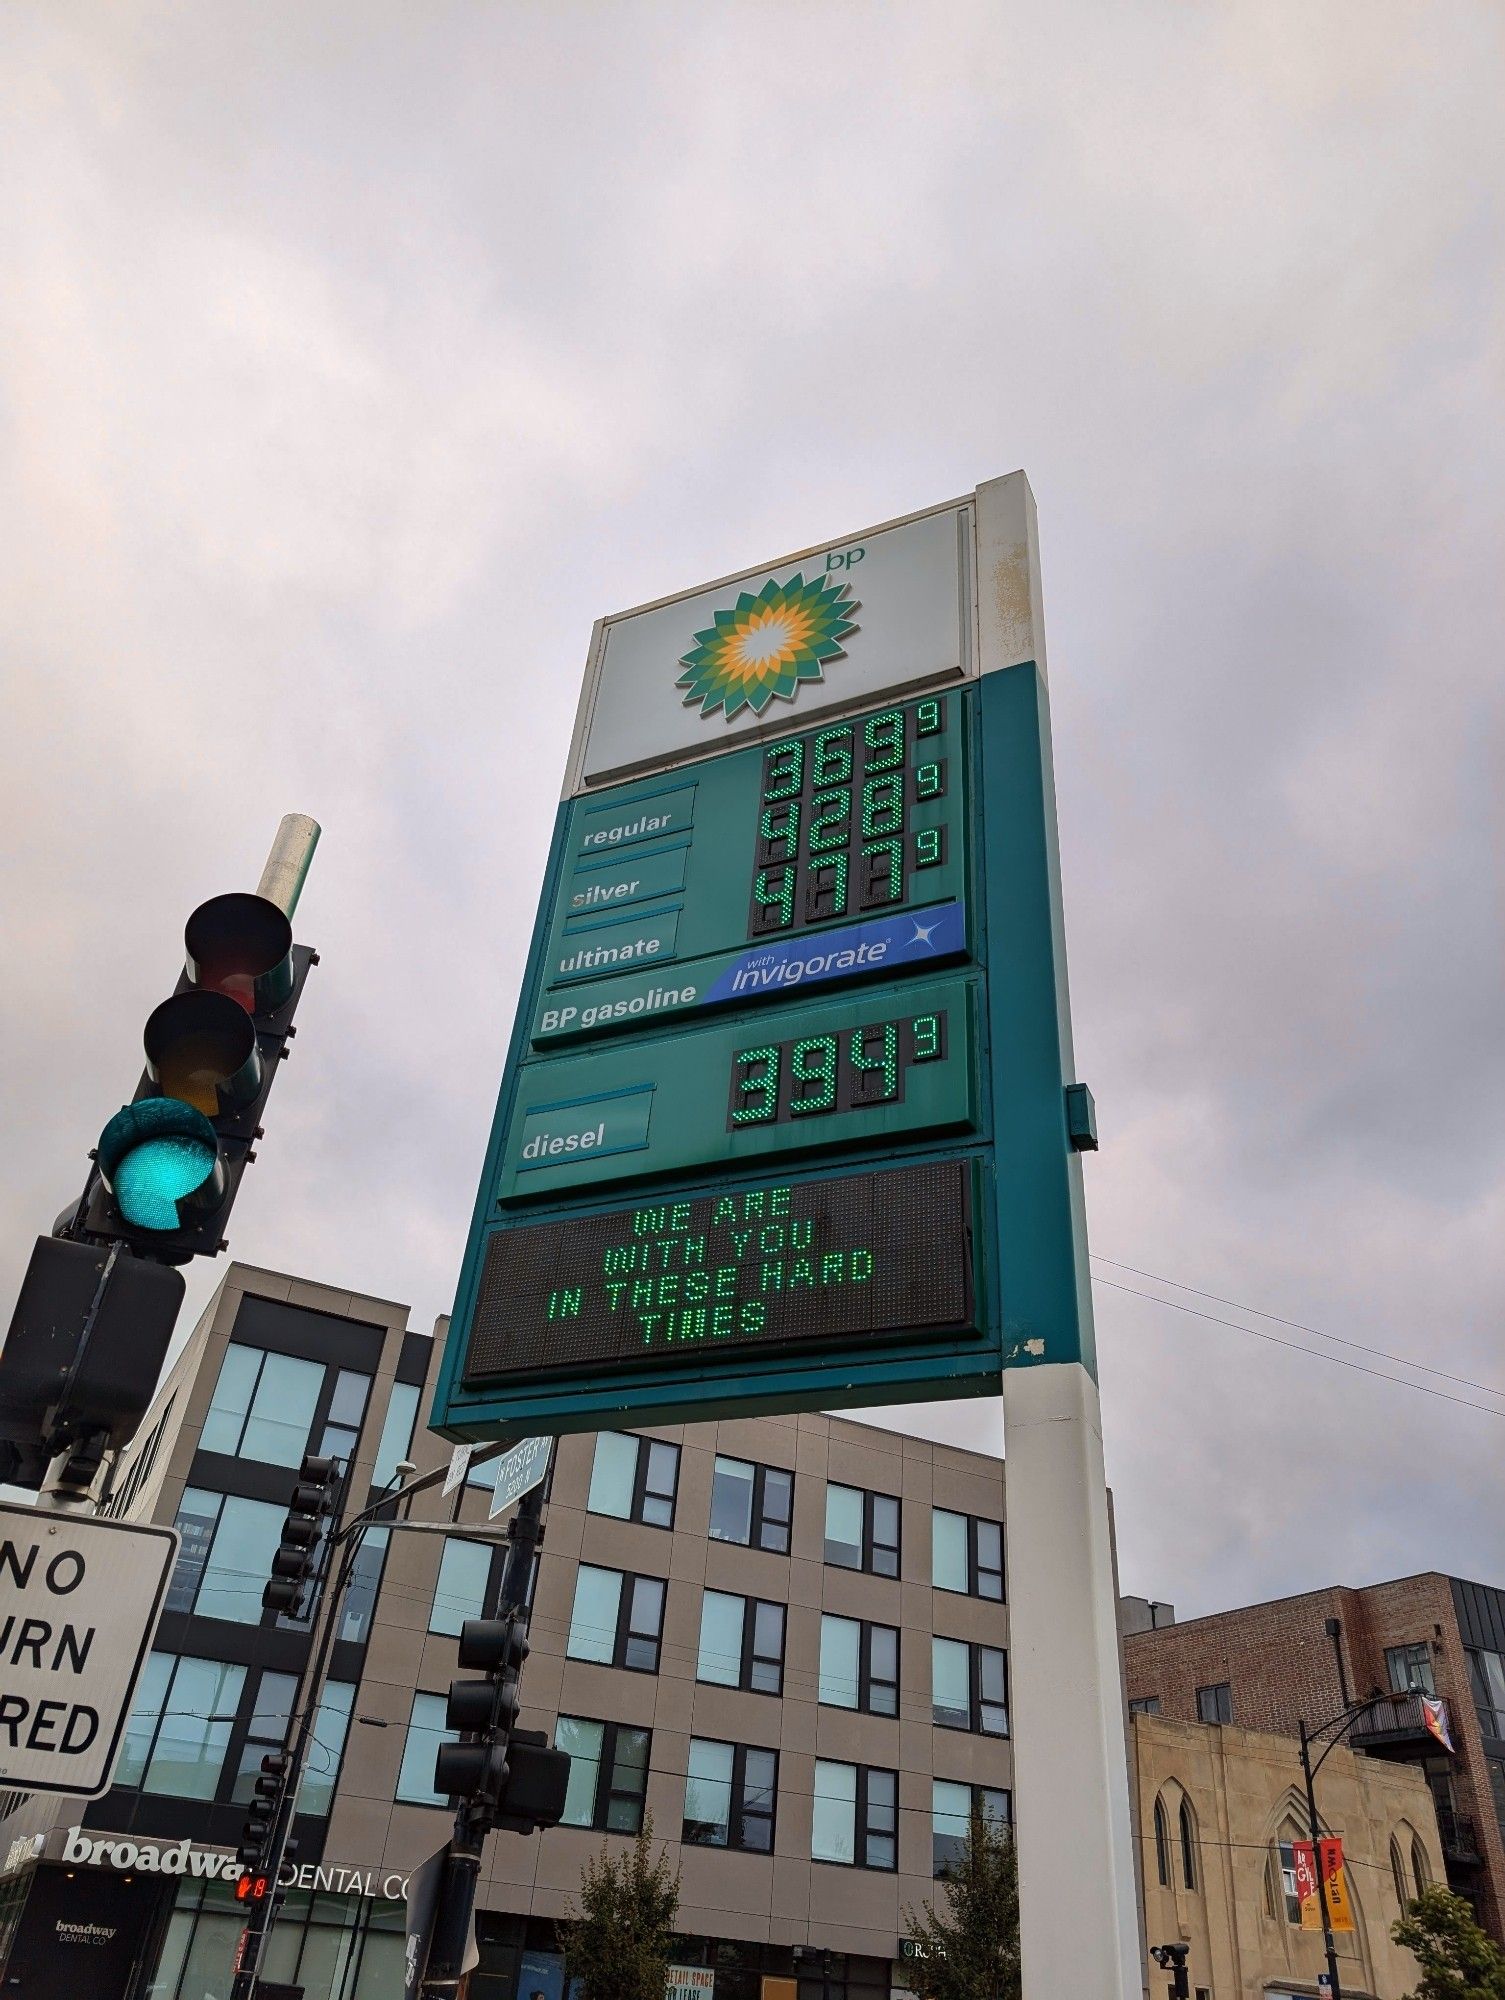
1271,1666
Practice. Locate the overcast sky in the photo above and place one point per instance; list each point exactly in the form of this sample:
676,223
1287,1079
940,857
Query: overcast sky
354,358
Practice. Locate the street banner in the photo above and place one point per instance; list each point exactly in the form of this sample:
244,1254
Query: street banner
1434,1713
1335,1880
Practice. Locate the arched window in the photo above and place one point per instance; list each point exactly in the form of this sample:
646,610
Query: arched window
1162,1845
1419,1868
1398,1872
1188,1846
1280,1874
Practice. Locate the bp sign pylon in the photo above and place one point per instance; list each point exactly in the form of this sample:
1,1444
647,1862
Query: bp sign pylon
789,1119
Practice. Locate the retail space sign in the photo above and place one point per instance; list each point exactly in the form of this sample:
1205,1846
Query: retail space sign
690,1982
79,1603
783,1122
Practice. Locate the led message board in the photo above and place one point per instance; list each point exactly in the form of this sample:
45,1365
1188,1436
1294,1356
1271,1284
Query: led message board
837,1262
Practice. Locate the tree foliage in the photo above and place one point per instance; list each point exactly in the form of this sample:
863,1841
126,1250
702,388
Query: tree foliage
618,1936
969,1948
1458,1961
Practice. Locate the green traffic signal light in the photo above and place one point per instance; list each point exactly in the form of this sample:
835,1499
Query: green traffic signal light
160,1160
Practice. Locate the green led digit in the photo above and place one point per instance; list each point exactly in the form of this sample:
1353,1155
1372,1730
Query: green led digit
882,806
878,1071
929,716
813,1067
927,847
773,892
929,781
779,831
831,821
883,739
884,877
826,892
784,771
833,759
755,1086
926,1030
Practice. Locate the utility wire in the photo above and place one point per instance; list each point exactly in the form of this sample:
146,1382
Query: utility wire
1300,1326
1300,1347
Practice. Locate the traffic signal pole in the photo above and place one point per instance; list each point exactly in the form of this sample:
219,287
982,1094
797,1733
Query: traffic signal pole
455,1916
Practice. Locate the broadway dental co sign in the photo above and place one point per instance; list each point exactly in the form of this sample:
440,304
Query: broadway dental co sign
78,1848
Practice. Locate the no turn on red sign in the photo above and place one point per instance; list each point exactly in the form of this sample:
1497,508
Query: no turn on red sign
79,1604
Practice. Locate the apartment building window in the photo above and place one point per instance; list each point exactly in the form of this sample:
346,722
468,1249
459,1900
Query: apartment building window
741,1643
617,1619
634,1479
752,1504
859,1665
366,1566
396,1432
730,1789
969,1687
179,1731
1410,1667
460,1590
1145,1704
342,1420
426,1731
951,1809
1486,1674
265,1732
226,1555
856,1818
862,1530
966,1554
263,1405
1496,1767
608,1773
1215,1704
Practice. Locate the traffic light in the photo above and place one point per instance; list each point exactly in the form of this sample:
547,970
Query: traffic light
485,1710
262,1811
86,1344
298,1550
169,1163
1172,1958
538,1778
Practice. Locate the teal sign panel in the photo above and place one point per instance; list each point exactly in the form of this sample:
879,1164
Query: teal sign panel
792,1025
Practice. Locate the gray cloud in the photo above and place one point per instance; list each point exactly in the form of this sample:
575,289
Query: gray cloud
351,363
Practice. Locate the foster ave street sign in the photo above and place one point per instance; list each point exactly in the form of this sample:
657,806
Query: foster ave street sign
79,1604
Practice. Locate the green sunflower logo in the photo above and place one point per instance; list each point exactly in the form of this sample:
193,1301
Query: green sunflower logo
767,644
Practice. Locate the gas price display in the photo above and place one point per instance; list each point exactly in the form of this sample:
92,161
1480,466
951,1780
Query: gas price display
835,835
839,1072
845,1262
838,853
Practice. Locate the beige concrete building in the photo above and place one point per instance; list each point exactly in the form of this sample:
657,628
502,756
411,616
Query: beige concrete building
1219,1807
786,1639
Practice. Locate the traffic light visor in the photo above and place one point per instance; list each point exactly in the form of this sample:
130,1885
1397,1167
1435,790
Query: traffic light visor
160,1160
242,946
201,1048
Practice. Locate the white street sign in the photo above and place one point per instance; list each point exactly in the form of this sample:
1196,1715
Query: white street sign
459,1466
518,1471
79,1604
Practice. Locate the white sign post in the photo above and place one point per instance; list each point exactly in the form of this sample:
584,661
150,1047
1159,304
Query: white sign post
79,1604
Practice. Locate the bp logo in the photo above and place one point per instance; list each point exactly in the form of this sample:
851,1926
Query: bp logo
767,644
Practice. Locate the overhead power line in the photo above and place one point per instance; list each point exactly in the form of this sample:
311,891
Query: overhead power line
1300,1347
1300,1326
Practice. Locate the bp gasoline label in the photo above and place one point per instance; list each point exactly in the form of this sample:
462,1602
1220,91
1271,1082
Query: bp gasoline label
79,1603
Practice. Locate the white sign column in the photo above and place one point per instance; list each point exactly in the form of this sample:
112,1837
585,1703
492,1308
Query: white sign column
1079,1927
